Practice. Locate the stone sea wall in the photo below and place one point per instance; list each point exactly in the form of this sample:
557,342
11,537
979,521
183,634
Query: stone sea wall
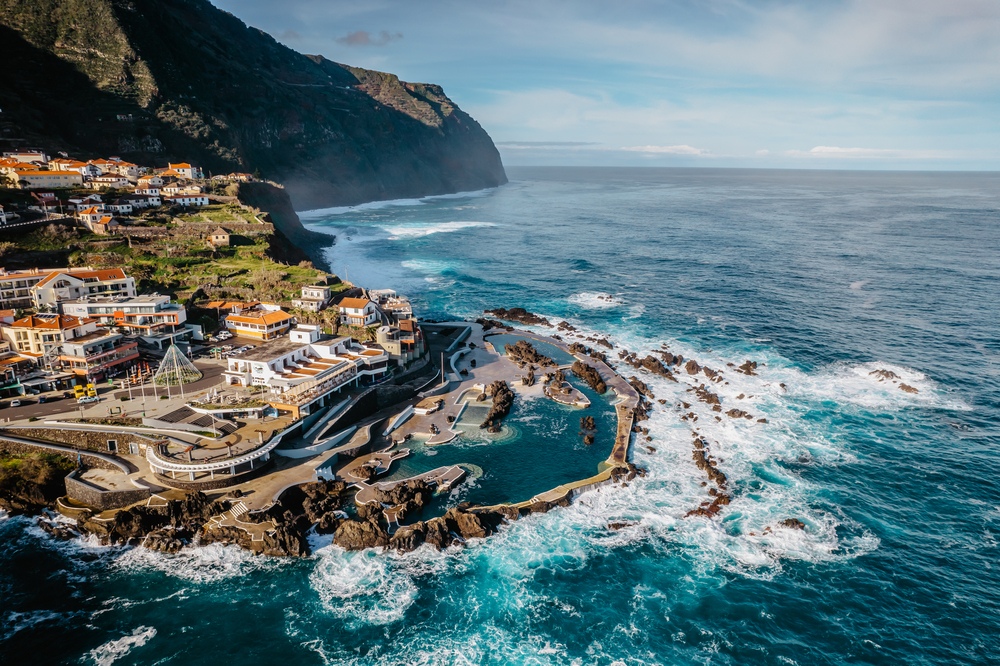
85,440
100,498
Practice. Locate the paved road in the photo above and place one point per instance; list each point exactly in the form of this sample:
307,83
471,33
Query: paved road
57,405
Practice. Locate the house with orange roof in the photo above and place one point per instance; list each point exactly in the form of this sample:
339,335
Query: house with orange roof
109,179
358,312
152,180
187,171
16,285
259,322
106,166
32,180
174,189
29,156
74,344
84,169
9,167
36,335
103,227
60,286
126,169
91,215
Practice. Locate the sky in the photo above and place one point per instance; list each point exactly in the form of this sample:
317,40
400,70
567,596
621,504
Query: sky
894,84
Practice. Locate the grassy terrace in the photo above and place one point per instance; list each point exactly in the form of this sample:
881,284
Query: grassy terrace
179,262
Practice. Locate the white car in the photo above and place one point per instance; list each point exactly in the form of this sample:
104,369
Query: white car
15,403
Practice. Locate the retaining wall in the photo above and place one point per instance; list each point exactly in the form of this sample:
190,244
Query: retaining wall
85,440
101,498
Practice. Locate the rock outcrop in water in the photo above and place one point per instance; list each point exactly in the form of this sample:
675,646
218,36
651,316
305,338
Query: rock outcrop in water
184,517
705,462
524,353
884,374
590,375
503,400
519,315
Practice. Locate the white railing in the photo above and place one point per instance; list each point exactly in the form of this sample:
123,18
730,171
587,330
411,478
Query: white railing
157,462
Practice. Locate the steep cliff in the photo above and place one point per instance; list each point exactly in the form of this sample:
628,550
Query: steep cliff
159,80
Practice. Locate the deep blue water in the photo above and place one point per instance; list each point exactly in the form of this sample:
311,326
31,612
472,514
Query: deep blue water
821,276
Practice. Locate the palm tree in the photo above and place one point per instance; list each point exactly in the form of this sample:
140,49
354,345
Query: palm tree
371,332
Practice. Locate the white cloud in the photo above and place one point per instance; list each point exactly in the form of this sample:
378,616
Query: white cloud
836,152
854,152
763,152
671,150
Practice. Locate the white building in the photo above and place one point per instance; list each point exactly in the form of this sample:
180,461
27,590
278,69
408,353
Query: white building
188,171
108,180
152,317
71,285
186,200
28,156
314,298
299,373
152,180
358,312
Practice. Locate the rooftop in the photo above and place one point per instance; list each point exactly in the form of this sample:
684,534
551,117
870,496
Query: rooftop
354,303
52,322
269,351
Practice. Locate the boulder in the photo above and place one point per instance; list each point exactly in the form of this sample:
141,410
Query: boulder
360,534
590,375
519,315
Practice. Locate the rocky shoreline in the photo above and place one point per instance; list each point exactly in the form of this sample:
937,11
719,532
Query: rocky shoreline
327,507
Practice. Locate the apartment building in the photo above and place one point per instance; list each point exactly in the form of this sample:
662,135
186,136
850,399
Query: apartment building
70,285
152,317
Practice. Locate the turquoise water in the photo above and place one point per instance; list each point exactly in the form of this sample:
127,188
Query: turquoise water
544,348
821,276
538,449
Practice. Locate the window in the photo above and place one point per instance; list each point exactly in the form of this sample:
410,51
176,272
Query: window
113,445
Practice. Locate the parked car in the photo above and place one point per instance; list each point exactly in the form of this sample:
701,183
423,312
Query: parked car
67,394
41,399
15,403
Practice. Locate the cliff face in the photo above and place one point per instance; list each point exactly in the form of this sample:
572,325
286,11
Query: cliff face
191,82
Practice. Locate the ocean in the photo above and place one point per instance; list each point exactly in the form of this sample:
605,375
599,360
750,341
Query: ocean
821,277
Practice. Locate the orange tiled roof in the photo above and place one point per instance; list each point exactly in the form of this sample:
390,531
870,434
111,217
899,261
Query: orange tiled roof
354,303
262,318
182,165
93,210
60,322
103,276
35,172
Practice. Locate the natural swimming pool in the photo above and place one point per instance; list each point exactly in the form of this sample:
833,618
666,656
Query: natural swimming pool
538,449
545,348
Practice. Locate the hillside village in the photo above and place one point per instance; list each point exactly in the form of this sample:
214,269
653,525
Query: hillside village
177,260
